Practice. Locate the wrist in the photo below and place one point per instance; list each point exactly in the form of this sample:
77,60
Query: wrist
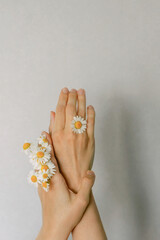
54,233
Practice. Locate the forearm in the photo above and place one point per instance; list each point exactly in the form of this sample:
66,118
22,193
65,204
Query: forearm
90,226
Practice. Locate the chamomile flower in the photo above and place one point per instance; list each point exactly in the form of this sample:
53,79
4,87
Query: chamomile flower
33,178
78,124
45,186
44,167
48,166
27,147
44,176
40,155
52,167
47,147
42,140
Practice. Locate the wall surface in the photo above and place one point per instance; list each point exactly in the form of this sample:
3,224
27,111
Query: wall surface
112,49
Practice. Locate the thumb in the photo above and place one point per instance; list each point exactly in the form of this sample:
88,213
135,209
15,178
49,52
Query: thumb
83,196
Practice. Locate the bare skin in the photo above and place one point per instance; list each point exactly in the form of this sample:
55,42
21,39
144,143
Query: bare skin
75,154
61,208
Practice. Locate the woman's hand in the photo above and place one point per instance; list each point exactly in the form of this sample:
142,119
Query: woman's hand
75,152
62,209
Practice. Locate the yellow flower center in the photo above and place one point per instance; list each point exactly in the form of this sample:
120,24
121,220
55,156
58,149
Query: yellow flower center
44,167
44,184
45,140
26,145
45,175
34,178
40,154
78,125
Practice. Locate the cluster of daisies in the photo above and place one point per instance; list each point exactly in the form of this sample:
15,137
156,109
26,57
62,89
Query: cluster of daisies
39,154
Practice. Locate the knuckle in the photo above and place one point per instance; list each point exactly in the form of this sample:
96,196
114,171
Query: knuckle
60,108
91,121
81,111
70,108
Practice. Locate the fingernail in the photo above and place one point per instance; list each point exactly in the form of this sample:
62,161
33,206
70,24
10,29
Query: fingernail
73,90
90,107
43,133
65,90
51,115
90,174
81,91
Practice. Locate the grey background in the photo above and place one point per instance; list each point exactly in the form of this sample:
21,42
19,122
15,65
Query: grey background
111,48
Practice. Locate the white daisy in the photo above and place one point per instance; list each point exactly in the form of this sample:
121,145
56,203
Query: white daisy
40,155
47,147
47,166
42,140
27,147
52,167
33,178
45,186
78,124
44,176
43,167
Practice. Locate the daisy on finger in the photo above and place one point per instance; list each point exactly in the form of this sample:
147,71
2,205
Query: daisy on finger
46,148
52,167
44,176
48,166
45,186
33,178
27,147
42,140
44,167
40,155
78,125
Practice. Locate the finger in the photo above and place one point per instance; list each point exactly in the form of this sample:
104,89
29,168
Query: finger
48,137
83,196
71,107
52,120
60,117
58,181
81,103
90,121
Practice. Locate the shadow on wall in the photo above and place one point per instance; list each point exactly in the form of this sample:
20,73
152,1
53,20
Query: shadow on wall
126,206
